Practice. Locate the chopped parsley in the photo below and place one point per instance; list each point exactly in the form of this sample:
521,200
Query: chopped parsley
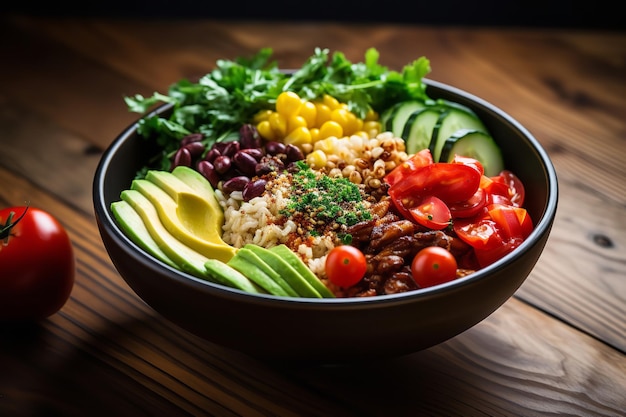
325,200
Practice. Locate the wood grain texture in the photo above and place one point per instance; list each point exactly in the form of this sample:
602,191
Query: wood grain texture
556,348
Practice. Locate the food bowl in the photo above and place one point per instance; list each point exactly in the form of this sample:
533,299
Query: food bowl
337,329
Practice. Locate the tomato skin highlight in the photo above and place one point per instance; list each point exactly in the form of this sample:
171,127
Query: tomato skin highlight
345,265
433,265
37,266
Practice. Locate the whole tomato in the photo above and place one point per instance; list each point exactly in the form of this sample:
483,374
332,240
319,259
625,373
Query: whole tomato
37,264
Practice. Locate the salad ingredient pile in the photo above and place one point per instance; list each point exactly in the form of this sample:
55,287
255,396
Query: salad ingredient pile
340,179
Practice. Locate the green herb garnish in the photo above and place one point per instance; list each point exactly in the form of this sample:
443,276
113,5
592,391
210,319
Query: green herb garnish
229,96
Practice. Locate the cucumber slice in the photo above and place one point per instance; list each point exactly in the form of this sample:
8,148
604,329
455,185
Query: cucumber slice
395,121
418,129
454,118
474,144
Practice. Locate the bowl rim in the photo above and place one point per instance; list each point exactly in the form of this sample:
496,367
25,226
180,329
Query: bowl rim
106,221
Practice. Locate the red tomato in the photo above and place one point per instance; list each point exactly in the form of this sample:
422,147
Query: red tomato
458,159
470,207
416,161
449,182
480,233
345,265
515,188
432,213
433,265
513,221
36,264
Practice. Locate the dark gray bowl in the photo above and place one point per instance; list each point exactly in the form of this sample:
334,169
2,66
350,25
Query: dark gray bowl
332,330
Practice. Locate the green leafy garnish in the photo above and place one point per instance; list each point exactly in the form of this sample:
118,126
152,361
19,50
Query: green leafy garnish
231,94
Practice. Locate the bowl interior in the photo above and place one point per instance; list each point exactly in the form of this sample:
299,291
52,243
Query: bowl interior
183,298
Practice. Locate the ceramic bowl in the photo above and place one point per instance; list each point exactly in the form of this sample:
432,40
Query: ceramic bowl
342,329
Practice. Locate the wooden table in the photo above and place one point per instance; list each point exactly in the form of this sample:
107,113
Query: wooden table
557,347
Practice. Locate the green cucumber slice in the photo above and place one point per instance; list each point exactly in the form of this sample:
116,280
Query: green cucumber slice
454,118
395,121
474,144
418,129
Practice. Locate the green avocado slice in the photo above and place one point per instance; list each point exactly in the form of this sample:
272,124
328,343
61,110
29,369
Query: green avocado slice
294,260
229,276
136,230
256,275
253,258
285,270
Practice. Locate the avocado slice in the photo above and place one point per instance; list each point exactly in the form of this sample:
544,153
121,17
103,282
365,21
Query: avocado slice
285,270
294,260
136,230
203,217
202,187
185,219
256,275
186,258
227,275
252,257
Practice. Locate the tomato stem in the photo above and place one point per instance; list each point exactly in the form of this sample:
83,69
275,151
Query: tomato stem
5,229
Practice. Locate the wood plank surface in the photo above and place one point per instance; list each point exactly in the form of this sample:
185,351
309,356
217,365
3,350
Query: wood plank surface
556,348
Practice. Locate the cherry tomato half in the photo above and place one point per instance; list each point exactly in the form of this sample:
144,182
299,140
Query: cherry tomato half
345,265
36,264
432,212
449,182
415,162
433,265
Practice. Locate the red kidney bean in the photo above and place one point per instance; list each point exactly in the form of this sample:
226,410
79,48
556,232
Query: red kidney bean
222,164
195,148
235,184
249,137
253,189
212,154
256,153
293,153
231,148
182,157
245,162
274,148
208,171
192,137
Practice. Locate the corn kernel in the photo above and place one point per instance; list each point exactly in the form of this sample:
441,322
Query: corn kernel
371,115
322,113
295,122
288,103
278,122
309,112
316,159
331,128
298,137
265,130
331,102
261,115
315,134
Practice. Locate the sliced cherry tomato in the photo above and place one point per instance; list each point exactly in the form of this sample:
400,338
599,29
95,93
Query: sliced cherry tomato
449,182
486,257
481,234
433,265
513,221
515,188
459,159
470,207
432,212
345,265
416,161
36,264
